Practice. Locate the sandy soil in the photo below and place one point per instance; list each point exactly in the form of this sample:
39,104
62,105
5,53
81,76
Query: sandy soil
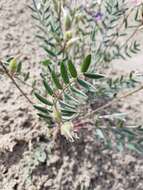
27,159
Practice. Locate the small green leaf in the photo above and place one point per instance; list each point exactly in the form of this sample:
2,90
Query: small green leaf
72,69
65,105
32,9
71,99
64,73
56,80
68,111
86,63
46,62
78,92
86,85
19,67
48,88
44,116
42,109
43,100
13,65
94,75
26,76
68,117
35,17
51,53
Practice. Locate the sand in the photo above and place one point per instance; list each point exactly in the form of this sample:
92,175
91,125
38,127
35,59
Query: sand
27,159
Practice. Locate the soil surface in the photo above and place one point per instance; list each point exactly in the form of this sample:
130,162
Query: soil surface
27,158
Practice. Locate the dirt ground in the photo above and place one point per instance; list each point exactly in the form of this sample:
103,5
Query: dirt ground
27,159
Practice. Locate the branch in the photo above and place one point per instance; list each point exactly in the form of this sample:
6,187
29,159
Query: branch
15,83
114,101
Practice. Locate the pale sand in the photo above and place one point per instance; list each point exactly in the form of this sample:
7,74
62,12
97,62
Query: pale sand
83,162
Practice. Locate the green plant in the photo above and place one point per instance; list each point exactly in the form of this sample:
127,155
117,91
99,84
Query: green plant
103,29
72,81
67,92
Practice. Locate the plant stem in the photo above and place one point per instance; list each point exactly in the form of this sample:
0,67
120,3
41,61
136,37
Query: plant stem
14,82
115,100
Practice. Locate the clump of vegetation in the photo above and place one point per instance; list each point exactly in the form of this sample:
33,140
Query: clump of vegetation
80,41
